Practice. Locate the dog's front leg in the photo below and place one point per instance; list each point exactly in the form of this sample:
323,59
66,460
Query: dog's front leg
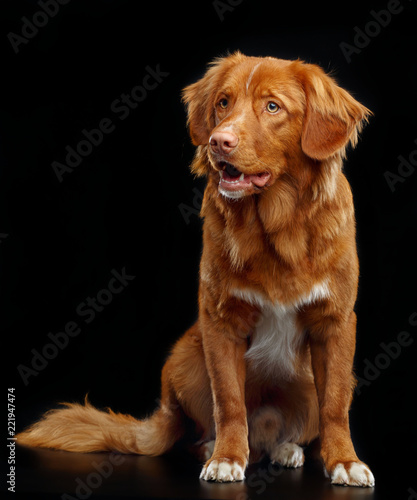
225,344
332,352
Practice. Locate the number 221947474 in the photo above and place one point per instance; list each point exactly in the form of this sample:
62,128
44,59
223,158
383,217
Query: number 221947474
11,445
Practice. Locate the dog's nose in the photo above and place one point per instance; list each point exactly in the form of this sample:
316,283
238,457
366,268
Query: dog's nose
223,142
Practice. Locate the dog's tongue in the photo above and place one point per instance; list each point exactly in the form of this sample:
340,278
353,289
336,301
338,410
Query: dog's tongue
260,179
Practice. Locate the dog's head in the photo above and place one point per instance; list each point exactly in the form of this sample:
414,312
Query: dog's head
252,117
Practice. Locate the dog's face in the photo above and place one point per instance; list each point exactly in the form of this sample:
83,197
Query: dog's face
255,117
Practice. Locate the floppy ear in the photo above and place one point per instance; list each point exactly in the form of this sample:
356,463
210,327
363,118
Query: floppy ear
199,98
333,118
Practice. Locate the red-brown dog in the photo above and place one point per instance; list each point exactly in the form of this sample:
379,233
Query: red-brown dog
268,365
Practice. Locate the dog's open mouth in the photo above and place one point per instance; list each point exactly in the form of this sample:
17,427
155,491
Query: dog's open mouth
232,179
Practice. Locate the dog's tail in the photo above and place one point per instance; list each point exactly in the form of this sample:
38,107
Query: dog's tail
83,428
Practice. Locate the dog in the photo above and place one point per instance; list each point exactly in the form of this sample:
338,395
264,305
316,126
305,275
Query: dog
268,365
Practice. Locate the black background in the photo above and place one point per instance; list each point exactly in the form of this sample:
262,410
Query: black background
120,208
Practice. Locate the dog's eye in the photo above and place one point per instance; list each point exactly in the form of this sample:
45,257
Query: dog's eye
223,103
272,107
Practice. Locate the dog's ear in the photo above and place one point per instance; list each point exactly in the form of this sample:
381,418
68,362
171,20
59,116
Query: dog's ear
199,98
333,118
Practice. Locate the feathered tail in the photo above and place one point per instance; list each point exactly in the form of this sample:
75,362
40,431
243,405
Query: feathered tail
83,428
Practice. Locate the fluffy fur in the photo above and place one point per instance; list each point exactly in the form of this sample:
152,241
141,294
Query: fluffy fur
268,364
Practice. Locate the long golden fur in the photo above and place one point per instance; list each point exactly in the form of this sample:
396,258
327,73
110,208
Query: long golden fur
267,366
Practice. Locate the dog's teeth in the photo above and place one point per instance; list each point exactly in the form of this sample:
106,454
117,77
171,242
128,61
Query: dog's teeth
241,178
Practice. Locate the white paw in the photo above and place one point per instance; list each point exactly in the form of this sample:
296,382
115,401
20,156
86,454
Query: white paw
356,474
288,455
222,472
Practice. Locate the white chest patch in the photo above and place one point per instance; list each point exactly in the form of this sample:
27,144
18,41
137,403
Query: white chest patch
277,336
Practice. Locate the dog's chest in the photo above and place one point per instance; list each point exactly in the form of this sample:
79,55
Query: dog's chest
275,342
278,336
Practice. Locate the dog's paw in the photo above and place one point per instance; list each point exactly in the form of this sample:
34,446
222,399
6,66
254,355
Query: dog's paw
288,455
222,471
352,474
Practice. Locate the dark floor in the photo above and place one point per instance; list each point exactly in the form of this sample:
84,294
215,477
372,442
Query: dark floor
46,474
